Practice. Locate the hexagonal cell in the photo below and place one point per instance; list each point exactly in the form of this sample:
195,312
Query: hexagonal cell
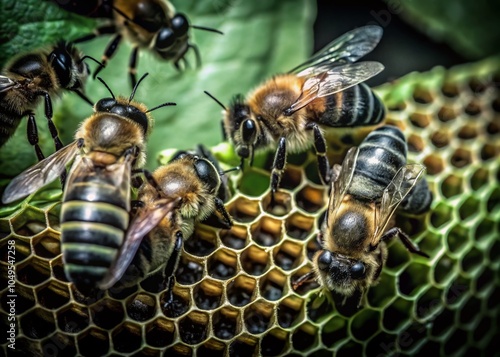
382,344
37,323
288,255
395,314
469,311
472,261
447,114
258,317
47,245
241,291
479,179
273,285
452,186
73,319
202,243
312,174
127,338
434,164
93,342
397,257
443,323
188,271
29,223
318,307
415,143
235,238
365,324
58,345
493,128
211,348
290,311
469,208
179,301
160,332
412,336
254,182
222,264
244,346
468,132
477,85
312,247
255,261
454,342
274,343
57,267
208,294
310,199
281,205
267,231
141,307
444,269
440,138
334,330
291,178
483,329
413,279
298,226
383,292
485,281
33,271
458,290
227,323
423,96
107,313
496,105
305,337
429,303
350,348
244,210
420,120
53,295
494,253
489,151
461,158
457,238
193,328
450,90
441,215
473,108
494,200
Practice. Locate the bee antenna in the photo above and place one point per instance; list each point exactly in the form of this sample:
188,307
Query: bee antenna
161,106
209,29
222,173
107,87
216,100
92,58
135,87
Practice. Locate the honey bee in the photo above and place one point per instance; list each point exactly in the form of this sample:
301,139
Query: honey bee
366,190
147,24
170,202
96,202
291,109
34,76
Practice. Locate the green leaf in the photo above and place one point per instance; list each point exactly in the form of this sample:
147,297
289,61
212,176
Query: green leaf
260,39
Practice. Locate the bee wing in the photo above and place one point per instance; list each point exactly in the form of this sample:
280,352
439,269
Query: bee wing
341,184
334,80
349,47
40,174
402,183
144,221
6,83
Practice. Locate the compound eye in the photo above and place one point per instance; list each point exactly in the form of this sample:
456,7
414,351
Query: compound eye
358,271
324,260
62,62
207,173
105,105
165,39
248,131
180,24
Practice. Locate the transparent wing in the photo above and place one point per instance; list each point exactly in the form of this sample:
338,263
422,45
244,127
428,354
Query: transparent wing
334,80
341,184
40,174
402,183
6,83
144,221
349,47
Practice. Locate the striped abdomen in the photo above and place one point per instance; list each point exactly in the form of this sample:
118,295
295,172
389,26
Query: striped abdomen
10,118
355,106
94,218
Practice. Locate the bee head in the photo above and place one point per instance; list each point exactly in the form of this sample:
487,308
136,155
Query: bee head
241,127
207,174
122,108
70,71
168,35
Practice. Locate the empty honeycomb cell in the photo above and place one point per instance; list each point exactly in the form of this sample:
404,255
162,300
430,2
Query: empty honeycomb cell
312,174
37,323
457,238
489,151
434,164
382,344
450,89
53,295
274,343
280,206
423,96
473,108
431,243
444,269
58,345
22,250
413,279
153,283
318,307
289,312
420,120
257,317
461,158
477,85
441,215
454,342
411,225
411,336
493,202
452,186
29,222
193,327
160,332
188,271
254,182
244,210
350,349
241,291
227,323
310,199
483,329
494,253
288,255
33,271
443,323
397,257
273,285
107,313
447,113
127,338
141,307
384,291
334,331
304,337
25,298
469,208
48,246
222,264
479,179
493,299
472,261
416,143
440,138
457,291
298,226
394,315
496,105
202,242
93,342
429,303
493,127
73,319
313,246
469,311
267,232
291,178
175,303
208,294
211,348
365,324
235,238
468,132
484,281
243,346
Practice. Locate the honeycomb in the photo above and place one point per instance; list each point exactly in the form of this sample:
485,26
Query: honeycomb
233,294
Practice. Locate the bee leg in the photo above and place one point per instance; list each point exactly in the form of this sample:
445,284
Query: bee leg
278,167
173,261
33,136
108,53
132,66
303,279
52,127
196,53
405,239
320,147
84,97
219,206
